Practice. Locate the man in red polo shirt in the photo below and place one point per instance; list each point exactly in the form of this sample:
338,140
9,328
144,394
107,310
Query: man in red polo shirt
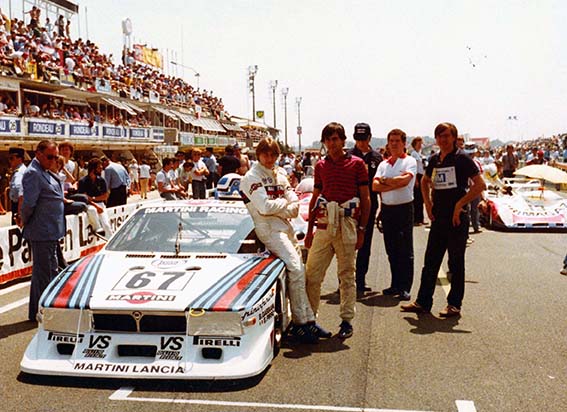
339,207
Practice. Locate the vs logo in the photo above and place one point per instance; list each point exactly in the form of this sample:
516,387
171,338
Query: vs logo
99,342
172,343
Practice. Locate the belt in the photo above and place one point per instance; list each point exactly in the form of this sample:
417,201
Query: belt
119,187
385,206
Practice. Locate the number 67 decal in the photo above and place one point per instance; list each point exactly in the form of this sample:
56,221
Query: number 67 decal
140,278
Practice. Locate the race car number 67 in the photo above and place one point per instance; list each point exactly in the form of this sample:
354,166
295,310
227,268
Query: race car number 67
149,280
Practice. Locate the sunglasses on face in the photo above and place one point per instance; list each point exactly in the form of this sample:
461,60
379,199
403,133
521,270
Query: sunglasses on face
51,157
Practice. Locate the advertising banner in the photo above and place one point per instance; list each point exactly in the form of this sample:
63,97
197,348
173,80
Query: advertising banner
82,130
139,133
10,126
113,132
147,55
15,251
158,133
102,85
186,139
46,128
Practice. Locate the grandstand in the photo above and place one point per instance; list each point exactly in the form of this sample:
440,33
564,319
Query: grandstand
52,86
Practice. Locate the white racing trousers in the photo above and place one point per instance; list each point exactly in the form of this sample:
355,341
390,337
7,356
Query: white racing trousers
335,235
99,220
284,246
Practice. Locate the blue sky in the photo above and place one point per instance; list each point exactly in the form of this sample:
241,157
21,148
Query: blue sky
393,64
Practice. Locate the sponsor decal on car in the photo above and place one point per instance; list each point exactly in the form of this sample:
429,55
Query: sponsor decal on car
97,345
125,368
141,297
61,337
199,209
259,306
215,341
169,348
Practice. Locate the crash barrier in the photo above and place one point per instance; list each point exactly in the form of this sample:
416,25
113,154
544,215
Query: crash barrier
80,240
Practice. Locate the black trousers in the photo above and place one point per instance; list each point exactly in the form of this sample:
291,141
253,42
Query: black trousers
117,197
14,211
363,254
397,222
444,237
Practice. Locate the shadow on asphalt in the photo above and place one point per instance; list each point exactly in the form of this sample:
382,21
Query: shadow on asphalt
295,350
426,324
375,299
15,328
151,385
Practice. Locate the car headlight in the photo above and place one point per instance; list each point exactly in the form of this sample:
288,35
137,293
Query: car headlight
203,323
66,320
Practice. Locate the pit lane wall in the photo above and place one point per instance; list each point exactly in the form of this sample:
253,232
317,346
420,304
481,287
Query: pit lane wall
15,252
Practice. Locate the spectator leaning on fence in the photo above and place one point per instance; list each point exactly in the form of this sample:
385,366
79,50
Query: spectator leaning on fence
16,158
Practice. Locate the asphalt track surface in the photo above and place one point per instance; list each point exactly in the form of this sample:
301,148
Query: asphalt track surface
508,352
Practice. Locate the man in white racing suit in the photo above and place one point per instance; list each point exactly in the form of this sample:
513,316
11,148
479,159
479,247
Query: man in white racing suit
272,202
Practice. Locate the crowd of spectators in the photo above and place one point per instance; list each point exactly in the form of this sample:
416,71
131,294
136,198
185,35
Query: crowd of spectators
46,52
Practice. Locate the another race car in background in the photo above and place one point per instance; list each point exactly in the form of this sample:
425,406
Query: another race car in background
183,290
228,187
522,204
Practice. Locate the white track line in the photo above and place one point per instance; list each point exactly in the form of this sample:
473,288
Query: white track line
14,287
465,406
123,393
14,305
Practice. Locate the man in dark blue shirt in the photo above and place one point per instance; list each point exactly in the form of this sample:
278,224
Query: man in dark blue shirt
444,188
372,158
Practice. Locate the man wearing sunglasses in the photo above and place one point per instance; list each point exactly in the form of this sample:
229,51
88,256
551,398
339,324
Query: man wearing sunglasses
42,218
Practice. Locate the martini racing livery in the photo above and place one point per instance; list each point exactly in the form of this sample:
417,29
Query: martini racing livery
183,290
522,205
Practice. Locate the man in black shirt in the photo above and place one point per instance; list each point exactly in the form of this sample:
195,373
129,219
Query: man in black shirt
228,163
94,186
372,158
444,188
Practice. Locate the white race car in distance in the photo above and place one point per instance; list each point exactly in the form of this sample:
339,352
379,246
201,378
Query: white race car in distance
183,290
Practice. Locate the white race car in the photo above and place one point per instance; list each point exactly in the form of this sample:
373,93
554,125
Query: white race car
183,290
522,204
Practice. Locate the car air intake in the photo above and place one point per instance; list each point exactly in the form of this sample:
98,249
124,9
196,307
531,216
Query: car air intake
212,353
163,324
114,323
147,351
140,255
65,348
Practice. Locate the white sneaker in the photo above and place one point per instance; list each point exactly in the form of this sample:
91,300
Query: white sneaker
564,271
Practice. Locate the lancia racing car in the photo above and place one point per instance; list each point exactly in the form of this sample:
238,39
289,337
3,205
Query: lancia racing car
523,204
183,290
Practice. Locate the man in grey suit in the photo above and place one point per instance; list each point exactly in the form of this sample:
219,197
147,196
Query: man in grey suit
42,218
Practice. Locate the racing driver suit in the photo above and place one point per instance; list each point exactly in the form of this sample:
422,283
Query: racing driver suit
272,202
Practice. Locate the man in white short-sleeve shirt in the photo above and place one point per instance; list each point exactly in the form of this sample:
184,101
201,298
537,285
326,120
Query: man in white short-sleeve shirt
394,180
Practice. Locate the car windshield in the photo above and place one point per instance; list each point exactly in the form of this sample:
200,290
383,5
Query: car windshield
187,229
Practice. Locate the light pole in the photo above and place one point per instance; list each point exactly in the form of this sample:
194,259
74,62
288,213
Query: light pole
252,70
197,74
273,86
285,90
299,131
